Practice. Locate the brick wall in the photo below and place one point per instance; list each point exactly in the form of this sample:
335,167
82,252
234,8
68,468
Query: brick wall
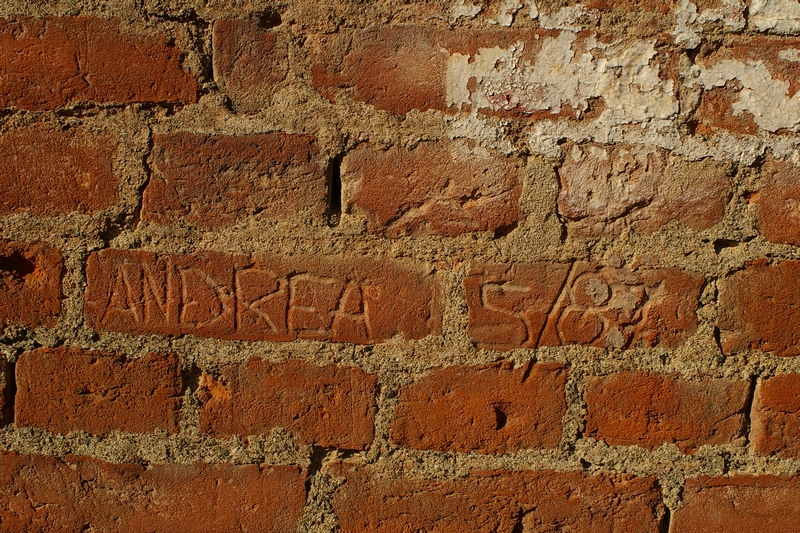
447,265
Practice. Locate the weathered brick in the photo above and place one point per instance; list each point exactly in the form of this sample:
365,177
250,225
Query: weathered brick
30,284
250,62
554,304
739,504
497,502
63,390
749,85
776,416
777,202
487,409
757,308
259,297
53,494
212,180
647,410
54,62
606,189
329,406
46,170
440,188
532,73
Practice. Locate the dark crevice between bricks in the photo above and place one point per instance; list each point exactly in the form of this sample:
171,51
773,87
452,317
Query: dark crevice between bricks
136,216
664,525
503,231
721,244
748,410
9,395
269,19
334,200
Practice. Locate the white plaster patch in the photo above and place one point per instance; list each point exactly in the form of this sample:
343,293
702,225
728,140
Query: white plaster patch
685,15
506,12
790,54
765,98
731,14
779,16
568,18
463,9
533,11
618,73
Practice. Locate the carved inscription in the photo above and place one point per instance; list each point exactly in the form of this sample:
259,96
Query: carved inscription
554,304
258,298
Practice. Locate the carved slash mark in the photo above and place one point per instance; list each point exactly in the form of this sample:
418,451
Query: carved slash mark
551,304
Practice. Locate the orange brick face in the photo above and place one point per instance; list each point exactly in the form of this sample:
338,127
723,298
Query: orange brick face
489,409
327,406
55,62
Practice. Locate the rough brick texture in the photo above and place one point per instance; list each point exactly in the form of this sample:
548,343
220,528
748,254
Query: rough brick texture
30,284
218,180
259,297
498,502
764,504
46,170
55,62
49,493
553,304
250,62
647,410
488,409
778,202
605,189
435,188
776,416
757,309
329,406
63,390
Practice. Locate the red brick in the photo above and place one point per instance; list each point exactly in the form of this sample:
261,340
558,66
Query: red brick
739,504
440,188
30,284
776,416
250,63
497,502
608,189
54,62
63,390
329,406
260,297
554,304
736,78
647,410
42,494
403,67
47,170
211,180
487,409
777,202
757,308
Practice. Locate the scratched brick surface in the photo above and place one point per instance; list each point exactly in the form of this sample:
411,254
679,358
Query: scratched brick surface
552,304
259,297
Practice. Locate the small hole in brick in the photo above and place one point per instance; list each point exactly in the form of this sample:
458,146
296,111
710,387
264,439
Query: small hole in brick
501,418
334,211
269,20
16,266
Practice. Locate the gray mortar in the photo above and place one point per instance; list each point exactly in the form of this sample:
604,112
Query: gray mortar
339,127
